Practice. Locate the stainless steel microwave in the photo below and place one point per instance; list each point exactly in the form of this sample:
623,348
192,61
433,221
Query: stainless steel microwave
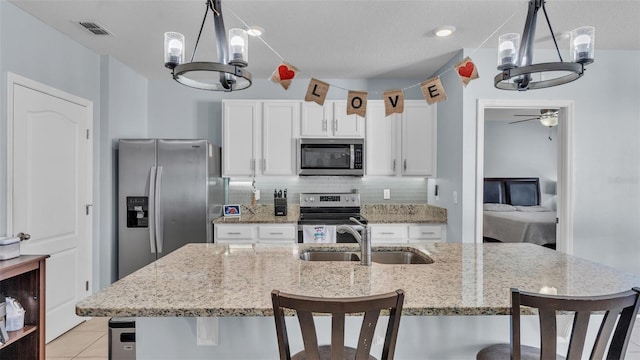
335,157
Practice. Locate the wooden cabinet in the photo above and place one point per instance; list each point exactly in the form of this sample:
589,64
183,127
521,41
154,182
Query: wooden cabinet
407,233
23,278
330,120
255,233
259,137
401,144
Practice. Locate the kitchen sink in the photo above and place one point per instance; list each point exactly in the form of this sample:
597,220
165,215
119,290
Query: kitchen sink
399,257
312,255
380,256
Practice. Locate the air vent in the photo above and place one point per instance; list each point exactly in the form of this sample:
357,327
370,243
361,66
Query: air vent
94,27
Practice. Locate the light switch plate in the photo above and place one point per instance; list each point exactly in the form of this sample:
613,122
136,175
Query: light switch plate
386,194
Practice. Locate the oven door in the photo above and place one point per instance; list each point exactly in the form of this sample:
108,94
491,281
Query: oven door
329,157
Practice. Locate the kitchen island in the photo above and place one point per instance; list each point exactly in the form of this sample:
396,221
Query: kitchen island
453,306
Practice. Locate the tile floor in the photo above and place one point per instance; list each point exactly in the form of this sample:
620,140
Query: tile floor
90,340
87,341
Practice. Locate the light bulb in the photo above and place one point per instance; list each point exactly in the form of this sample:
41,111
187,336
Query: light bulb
582,44
508,50
238,47
175,47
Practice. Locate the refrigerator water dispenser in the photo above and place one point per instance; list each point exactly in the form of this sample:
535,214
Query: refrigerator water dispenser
137,211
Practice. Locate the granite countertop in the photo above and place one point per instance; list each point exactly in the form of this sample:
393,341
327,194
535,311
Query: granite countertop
261,214
236,280
375,214
404,213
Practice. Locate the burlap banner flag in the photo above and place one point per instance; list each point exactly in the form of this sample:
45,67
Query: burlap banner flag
393,102
284,74
357,103
317,91
433,90
467,71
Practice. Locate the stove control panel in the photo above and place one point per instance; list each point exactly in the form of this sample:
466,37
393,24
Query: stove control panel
329,200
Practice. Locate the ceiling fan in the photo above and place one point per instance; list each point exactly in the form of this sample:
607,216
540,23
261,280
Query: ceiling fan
547,117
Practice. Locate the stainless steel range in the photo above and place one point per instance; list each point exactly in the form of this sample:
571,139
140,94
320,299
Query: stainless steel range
329,210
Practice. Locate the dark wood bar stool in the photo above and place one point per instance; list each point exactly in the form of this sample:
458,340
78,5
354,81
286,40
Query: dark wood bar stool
620,311
306,306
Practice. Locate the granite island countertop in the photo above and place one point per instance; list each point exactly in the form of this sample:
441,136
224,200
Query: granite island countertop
236,280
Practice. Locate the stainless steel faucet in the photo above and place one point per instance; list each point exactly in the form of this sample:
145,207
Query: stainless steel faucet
363,237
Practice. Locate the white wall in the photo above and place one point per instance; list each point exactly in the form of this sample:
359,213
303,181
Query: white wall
450,140
606,152
31,49
523,150
124,115
34,50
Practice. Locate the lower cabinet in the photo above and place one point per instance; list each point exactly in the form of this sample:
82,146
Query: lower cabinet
255,233
407,233
23,278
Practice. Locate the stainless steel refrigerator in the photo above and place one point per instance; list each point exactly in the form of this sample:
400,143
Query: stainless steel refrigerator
169,191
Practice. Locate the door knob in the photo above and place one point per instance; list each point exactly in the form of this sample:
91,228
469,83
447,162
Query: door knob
23,236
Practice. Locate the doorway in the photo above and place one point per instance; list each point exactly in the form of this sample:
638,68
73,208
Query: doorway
564,232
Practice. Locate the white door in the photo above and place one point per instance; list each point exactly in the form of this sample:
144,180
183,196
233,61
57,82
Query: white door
50,187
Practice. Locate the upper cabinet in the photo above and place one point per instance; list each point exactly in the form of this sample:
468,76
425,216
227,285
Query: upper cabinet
259,137
280,128
330,120
401,144
240,137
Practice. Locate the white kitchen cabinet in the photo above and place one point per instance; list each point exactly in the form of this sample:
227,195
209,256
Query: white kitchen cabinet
423,233
330,120
401,144
382,141
419,136
280,128
255,233
388,233
259,137
403,233
240,122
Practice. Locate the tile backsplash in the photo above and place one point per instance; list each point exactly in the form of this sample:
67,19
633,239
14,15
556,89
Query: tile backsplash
403,190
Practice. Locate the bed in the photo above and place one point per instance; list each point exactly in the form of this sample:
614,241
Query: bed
512,212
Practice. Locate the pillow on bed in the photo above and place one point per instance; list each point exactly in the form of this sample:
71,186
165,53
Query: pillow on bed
498,207
534,208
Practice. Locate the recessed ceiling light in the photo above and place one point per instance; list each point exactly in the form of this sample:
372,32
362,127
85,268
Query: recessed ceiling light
255,31
444,31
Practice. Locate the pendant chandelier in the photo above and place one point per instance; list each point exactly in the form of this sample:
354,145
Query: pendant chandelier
228,74
515,59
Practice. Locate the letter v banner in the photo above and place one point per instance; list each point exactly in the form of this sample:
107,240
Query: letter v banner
393,102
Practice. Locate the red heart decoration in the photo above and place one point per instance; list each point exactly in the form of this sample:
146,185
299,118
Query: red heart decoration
466,70
285,72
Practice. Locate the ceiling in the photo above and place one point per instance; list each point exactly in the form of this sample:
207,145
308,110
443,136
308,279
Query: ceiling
346,39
